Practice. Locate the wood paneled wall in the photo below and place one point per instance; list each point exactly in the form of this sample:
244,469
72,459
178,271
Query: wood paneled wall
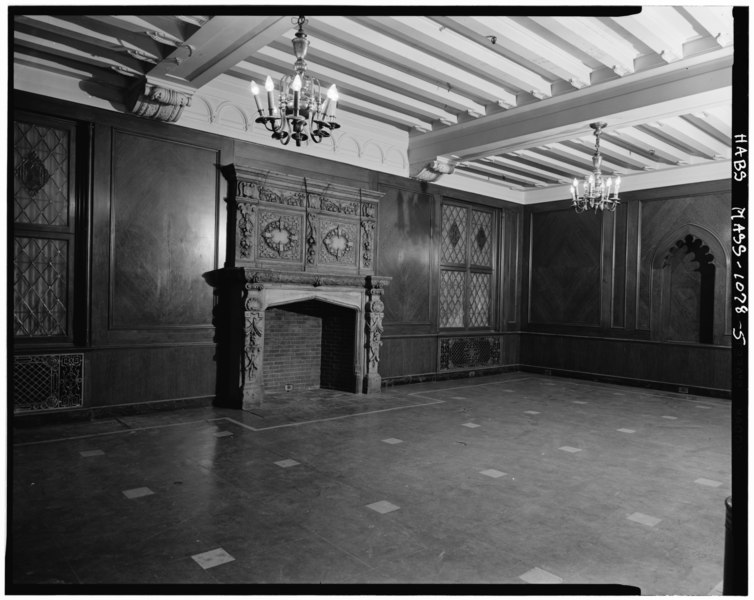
600,286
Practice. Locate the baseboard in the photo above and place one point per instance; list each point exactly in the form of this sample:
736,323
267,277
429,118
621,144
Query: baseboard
630,381
32,419
443,376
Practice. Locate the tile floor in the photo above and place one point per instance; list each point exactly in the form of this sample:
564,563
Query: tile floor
512,479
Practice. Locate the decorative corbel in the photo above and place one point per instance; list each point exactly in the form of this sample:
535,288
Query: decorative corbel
432,171
155,100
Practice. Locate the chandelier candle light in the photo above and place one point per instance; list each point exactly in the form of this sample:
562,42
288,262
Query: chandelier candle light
596,189
300,113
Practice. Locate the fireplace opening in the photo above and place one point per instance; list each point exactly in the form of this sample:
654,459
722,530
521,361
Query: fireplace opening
309,345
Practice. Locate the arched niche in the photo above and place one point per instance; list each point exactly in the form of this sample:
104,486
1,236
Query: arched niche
689,287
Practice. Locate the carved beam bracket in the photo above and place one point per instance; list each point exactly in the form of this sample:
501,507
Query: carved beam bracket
157,100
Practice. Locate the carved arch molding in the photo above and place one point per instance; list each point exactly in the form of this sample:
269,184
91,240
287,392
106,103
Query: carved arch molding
690,292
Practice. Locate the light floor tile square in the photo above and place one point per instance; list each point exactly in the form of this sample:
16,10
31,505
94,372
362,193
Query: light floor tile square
537,575
383,507
644,519
709,482
668,417
507,390
627,430
531,412
288,462
580,402
458,397
471,425
212,558
494,473
221,434
88,453
569,449
137,493
393,441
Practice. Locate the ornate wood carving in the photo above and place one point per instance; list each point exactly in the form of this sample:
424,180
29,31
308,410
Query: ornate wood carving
374,312
253,337
340,222
157,102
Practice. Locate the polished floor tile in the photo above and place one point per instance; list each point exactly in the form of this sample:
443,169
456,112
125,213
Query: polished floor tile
669,417
570,449
708,482
531,412
287,463
471,425
392,441
90,453
137,493
537,575
212,558
644,519
494,473
383,507
439,518
622,430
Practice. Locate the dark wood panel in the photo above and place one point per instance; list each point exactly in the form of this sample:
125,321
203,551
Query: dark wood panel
619,268
405,237
164,213
565,255
142,374
408,356
679,364
660,218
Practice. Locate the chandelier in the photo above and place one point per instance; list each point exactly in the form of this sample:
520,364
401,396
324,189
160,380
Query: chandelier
299,111
594,192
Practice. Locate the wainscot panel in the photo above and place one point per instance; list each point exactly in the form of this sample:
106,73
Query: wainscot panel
150,374
705,368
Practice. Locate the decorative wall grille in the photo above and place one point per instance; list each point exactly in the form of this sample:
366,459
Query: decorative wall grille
469,352
48,381
40,287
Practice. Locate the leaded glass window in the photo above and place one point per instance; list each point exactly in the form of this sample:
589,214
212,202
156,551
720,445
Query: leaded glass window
43,224
466,271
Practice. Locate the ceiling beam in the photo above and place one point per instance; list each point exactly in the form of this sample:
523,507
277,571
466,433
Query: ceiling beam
512,38
218,45
685,86
420,64
451,46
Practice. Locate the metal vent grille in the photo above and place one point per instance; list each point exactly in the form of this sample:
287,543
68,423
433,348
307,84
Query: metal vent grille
48,381
469,352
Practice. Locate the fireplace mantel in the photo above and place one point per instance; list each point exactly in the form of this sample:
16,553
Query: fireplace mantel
293,239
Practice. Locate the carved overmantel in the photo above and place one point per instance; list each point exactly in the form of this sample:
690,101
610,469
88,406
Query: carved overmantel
292,239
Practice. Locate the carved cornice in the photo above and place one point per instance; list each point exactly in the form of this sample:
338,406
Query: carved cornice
432,171
156,101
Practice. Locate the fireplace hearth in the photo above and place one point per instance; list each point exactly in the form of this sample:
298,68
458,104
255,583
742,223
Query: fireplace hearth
305,251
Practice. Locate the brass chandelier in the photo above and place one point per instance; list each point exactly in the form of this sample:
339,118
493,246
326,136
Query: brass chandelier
299,112
595,191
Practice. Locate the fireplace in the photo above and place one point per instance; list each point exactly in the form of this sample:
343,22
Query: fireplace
297,305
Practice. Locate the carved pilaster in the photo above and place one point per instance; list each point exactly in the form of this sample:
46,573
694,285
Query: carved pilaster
251,369
245,225
373,312
311,239
159,102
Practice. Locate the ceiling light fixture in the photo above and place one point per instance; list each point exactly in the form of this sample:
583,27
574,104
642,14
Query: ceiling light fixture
596,189
300,113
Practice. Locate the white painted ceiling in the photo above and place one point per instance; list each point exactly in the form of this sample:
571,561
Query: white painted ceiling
505,100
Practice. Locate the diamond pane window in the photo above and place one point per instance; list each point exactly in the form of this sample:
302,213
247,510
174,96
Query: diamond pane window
454,220
479,300
452,290
40,174
466,259
481,238
40,287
